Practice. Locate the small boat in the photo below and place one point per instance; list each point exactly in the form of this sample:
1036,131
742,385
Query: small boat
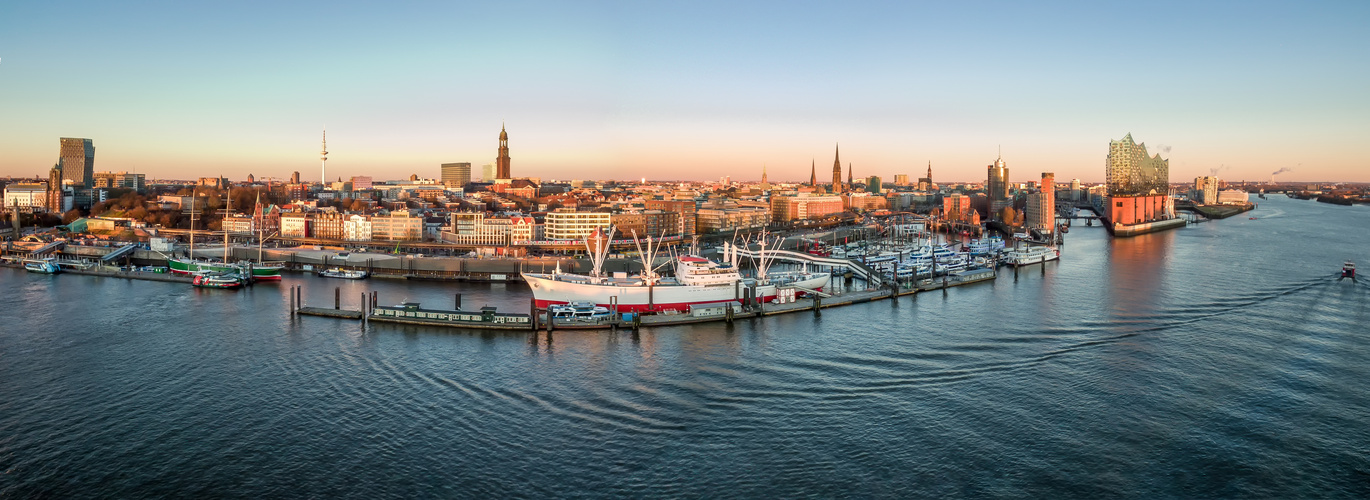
217,280
343,274
1348,270
1253,218
578,310
42,266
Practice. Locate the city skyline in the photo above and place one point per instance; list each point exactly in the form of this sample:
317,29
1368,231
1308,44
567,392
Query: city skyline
625,91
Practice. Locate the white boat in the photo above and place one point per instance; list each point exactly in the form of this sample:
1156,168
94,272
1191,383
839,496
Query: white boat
1031,255
338,272
697,281
578,310
42,266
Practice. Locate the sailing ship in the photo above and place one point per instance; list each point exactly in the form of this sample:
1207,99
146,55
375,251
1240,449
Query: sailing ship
192,266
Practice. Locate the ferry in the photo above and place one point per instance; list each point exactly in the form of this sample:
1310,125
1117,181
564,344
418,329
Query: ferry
1348,270
1031,255
43,266
341,273
217,280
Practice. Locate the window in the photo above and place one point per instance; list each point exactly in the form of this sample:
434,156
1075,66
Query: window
1120,204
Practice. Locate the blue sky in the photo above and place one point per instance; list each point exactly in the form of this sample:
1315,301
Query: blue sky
687,90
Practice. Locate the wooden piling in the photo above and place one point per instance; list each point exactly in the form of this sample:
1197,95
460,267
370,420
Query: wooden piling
291,292
533,313
817,306
457,301
337,298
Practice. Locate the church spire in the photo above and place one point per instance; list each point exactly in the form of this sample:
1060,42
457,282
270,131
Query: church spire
837,170
813,173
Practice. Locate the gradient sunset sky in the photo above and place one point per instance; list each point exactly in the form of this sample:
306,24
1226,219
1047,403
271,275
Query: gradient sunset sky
687,90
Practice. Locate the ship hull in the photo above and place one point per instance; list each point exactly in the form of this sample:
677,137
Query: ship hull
188,267
660,298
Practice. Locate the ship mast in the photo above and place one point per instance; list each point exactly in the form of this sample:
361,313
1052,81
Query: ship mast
228,195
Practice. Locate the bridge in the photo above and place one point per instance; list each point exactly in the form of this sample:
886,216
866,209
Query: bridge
119,253
809,291
857,268
50,247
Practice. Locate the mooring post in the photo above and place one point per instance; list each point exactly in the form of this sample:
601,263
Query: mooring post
457,307
337,298
299,296
1015,273
533,314
373,300
291,292
362,305
1044,266
817,305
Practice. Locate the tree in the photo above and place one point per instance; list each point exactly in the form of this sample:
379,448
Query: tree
70,216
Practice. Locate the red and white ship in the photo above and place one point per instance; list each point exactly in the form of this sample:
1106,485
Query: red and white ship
697,281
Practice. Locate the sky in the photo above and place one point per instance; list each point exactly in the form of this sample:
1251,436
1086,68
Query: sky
688,90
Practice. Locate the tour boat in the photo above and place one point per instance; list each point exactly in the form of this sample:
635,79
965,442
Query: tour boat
1348,270
1031,255
697,280
43,266
338,272
217,280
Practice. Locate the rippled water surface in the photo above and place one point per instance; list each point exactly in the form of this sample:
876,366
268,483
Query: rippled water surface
1218,360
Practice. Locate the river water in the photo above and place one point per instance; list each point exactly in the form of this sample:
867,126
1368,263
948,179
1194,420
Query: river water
1219,360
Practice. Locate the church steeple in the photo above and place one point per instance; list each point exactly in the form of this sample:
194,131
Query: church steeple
849,174
813,173
764,183
837,170
502,162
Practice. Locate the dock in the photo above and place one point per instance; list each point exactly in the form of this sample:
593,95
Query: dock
536,320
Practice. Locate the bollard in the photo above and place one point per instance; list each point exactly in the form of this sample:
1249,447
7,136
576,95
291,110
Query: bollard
533,313
337,298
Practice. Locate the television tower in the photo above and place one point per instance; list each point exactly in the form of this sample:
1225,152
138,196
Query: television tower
323,157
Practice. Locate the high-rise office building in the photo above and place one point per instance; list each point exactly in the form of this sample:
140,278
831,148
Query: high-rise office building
502,162
1041,206
78,161
456,175
295,178
487,173
55,193
873,184
996,187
